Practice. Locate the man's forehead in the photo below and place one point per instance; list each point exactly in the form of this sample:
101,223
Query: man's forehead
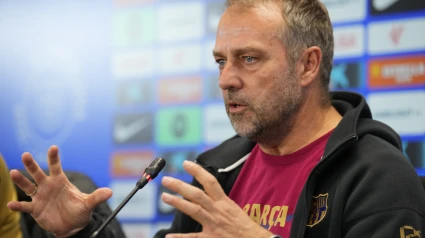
233,31
242,30
246,35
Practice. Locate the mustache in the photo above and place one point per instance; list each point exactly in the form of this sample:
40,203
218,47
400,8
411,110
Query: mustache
236,98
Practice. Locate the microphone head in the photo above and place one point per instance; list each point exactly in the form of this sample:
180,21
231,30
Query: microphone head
155,167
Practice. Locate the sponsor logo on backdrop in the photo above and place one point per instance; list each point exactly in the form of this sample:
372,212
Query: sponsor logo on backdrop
52,102
134,93
217,124
180,90
214,12
181,59
139,230
397,71
349,41
214,91
345,10
133,128
175,160
404,111
134,27
178,126
134,64
396,33
180,21
130,163
383,4
378,7
415,152
396,36
346,75
141,205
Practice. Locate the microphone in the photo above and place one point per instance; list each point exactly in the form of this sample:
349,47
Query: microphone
150,173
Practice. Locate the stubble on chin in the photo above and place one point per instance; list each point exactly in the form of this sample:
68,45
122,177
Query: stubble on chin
270,130
271,122
268,125
244,125
248,123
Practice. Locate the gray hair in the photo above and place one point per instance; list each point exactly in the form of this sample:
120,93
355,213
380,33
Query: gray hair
307,24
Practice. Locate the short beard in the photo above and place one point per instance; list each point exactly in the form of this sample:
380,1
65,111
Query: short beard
273,122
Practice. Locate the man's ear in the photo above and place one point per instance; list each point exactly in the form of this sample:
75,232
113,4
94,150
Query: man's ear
310,61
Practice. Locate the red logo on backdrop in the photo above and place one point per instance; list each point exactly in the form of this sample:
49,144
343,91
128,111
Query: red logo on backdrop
130,163
180,89
347,41
396,33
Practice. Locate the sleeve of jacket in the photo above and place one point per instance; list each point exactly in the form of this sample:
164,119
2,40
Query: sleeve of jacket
393,223
387,201
182,223
86,185
95,222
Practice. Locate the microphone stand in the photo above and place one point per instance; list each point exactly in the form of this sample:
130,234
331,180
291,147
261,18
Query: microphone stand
150,173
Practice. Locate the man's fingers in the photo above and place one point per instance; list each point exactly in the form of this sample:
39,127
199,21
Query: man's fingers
33,169
208,181
55,166
21,181
187,235
191,209
189,192
98,196
20,206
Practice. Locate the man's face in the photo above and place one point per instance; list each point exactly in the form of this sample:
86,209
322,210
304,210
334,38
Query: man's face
260,89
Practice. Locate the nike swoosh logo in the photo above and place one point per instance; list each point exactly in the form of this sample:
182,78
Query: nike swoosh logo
125,132
381,5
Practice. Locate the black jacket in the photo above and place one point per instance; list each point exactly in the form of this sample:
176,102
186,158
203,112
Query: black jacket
362,187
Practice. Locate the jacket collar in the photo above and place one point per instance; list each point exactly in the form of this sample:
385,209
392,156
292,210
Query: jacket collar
351,106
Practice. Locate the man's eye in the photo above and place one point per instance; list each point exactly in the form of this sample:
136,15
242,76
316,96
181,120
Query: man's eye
250,59
221,62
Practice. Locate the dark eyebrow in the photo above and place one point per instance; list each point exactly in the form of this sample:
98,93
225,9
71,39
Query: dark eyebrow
240,51
217,54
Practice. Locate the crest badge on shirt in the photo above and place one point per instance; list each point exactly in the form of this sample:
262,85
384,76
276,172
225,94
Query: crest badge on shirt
409,232
318,209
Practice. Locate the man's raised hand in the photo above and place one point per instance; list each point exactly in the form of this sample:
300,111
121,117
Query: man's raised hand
218,214
57,205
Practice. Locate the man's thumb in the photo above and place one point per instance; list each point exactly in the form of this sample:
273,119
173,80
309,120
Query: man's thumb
98,196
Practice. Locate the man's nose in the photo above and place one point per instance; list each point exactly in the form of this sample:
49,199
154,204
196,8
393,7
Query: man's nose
230,77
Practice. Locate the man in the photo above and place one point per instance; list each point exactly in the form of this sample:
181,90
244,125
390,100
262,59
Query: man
9,220
305,163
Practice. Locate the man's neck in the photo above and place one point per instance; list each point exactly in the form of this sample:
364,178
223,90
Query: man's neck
309,124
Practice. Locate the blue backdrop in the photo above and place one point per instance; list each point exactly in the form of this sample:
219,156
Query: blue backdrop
117,83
